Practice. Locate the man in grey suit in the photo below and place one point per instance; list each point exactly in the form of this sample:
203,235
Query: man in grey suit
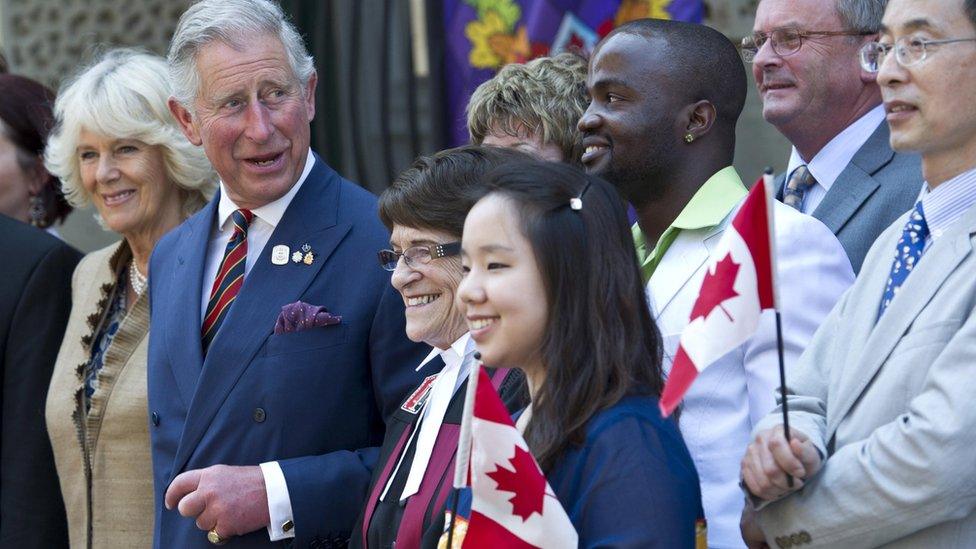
841,169
882,421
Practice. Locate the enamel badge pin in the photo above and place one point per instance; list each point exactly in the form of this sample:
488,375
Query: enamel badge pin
279,255
416,401
306,255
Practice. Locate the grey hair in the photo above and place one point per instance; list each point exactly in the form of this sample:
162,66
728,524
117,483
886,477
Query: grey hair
124,95
861,15
232,22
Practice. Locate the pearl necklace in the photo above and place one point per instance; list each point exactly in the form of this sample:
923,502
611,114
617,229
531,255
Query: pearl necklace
137,279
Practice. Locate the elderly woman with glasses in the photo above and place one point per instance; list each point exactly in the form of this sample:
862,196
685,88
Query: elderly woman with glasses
116,146
425,210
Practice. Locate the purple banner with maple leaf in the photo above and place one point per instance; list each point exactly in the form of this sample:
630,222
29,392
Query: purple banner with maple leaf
481,36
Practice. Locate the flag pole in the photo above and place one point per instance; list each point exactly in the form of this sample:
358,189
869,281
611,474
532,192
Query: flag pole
454,509
463,460
782,388
768,183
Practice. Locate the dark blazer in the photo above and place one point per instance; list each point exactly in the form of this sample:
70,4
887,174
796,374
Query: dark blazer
422,527
314,400
35,299
873,190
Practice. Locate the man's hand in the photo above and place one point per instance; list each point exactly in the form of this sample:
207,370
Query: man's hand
232,500
769,459
749,527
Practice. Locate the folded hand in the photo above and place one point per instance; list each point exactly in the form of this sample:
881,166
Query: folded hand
231,500
770,459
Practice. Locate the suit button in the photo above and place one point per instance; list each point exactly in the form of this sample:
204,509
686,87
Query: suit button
259,415
316,543
155,419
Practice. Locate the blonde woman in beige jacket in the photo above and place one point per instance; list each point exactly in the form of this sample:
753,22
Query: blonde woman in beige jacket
115,146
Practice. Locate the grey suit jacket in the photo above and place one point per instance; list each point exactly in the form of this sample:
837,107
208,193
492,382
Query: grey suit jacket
890,403
873,190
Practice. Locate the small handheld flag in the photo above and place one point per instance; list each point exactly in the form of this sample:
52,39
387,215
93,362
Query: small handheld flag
512,504
738,285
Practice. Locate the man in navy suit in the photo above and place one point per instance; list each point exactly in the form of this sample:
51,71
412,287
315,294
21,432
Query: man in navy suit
254,430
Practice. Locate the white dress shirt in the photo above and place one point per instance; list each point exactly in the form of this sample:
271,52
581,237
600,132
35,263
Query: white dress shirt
458,359
263,224
833,159
736,391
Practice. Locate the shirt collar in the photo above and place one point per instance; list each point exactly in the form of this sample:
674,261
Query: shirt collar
946,203
827,165
707,208
271,212
458,350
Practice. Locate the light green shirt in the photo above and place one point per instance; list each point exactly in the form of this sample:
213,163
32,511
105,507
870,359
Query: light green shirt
707,208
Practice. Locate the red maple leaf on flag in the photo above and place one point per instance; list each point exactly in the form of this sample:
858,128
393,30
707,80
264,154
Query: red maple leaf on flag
525,481
717,288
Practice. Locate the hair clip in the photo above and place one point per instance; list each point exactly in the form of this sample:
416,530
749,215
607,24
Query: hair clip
576,203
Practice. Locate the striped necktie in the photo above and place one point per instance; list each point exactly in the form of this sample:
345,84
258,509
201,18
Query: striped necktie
796,188
230,278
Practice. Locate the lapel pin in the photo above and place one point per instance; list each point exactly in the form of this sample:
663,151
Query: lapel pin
279,255
297,256
309,256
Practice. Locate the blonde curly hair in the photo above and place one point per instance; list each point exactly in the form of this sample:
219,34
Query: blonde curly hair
545,97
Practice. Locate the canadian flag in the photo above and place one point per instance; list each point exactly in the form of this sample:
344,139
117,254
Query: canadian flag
512,504
738,286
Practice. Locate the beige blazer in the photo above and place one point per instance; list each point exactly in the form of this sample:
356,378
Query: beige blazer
109,444
889,401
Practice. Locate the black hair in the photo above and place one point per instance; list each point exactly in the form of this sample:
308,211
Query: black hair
703,61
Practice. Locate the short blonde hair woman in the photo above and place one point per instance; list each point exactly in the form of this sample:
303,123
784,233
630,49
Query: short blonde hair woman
534,107
115,146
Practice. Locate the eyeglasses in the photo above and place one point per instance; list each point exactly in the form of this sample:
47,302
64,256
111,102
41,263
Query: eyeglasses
785,41
417,255
908,51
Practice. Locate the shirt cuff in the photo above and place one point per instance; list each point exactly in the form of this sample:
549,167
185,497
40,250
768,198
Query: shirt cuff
279,504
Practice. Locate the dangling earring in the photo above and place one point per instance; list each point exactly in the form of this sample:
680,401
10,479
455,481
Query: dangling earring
689,138
37,211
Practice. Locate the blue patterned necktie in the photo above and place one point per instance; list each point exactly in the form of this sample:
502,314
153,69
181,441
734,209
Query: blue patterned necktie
797,186
907,255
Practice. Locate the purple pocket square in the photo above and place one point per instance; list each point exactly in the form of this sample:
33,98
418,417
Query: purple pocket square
300,316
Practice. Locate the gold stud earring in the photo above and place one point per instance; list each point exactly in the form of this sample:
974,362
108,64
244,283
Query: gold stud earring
689,138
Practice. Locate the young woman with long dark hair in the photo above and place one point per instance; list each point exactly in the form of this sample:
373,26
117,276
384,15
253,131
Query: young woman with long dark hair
552,287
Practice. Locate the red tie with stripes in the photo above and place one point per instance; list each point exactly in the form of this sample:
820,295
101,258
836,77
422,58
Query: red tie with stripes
229,279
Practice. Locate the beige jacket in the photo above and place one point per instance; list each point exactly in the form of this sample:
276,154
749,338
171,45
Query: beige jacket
109,446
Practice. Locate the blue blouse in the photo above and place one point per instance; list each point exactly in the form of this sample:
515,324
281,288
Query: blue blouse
631,484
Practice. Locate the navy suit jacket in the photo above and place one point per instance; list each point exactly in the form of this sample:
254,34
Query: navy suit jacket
876,187
315,400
